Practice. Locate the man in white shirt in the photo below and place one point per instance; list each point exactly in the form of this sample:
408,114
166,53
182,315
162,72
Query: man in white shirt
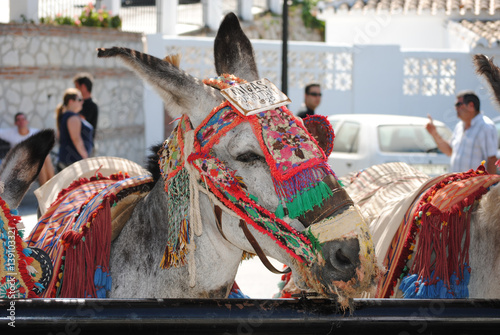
475,138
21,132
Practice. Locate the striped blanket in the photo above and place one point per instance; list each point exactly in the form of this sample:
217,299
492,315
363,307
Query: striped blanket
392,197
76,233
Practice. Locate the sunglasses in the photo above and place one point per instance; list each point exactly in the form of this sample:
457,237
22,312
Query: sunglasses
458,104
314,94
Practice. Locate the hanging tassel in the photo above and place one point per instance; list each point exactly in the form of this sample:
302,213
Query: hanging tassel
407,285
305,201
280,212
422,291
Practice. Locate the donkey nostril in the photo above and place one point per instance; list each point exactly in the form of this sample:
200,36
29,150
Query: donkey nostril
344,254
341,258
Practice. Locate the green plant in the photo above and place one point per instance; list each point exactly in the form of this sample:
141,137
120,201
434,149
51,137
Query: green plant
309,19
90,17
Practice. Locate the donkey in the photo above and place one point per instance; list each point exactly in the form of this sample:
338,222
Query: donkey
389,196
219,209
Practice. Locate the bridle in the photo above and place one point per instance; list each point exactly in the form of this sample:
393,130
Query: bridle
250,238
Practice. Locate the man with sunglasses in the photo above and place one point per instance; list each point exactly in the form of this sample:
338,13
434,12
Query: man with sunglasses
474,138
312,99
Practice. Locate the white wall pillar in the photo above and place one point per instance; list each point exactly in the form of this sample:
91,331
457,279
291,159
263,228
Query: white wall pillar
112,5
212,13
245,10
275,6
167,20
27,8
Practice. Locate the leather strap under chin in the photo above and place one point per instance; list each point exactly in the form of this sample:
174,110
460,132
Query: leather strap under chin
258,250
253,242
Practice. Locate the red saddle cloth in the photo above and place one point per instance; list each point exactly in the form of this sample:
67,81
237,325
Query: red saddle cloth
76,233
436,223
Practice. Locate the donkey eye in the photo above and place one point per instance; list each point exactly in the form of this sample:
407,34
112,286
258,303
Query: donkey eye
249,157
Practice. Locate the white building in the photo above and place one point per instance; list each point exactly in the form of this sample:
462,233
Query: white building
411,57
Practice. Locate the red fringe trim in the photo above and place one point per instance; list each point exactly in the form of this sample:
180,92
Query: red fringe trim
425,206
86,251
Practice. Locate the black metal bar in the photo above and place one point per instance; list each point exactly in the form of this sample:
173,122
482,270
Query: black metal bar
284,52
239,316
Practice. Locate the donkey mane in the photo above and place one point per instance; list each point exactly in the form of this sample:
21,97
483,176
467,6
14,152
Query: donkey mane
152,162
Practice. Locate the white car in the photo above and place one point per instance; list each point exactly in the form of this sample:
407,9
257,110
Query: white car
363,140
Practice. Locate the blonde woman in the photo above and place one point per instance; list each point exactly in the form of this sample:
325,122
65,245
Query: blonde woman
74,133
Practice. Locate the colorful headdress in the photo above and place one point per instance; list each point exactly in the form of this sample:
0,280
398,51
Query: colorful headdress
298,166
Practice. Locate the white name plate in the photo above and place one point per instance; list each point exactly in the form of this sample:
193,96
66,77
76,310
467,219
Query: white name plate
256,96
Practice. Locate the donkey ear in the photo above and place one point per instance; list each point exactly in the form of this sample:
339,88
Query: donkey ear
233,51
23,164
321,129
181,92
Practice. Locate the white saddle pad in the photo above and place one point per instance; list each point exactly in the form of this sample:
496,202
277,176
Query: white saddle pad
86,168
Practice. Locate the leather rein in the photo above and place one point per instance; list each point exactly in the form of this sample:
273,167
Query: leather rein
251,239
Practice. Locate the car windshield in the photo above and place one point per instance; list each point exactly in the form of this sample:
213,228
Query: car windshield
409,138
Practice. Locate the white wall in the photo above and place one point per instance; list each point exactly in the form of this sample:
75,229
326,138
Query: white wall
408,31
355,79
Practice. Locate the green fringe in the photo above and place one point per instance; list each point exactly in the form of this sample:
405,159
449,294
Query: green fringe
307,200
315,244
340,182
280,212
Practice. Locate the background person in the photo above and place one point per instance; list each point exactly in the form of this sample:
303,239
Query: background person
83,82
21,132
73,131
474,138
312,99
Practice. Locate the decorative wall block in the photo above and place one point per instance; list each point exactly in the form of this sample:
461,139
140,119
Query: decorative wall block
429,76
